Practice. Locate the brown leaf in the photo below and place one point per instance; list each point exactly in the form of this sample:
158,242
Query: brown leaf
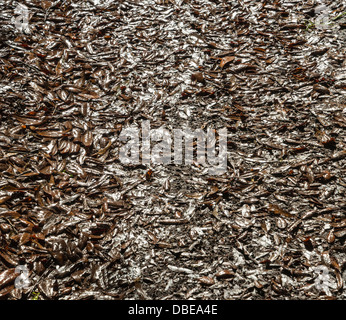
5,291
24,238
46,4
226,60
3,199
321,89
148,175
277,210
340,233
51,134
173,221
206,281
30,121
6,277
47,170
92,95
87,139
339,280
225,274
198,76
244,67
331,237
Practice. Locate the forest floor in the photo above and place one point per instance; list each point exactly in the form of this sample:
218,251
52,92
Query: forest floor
81,224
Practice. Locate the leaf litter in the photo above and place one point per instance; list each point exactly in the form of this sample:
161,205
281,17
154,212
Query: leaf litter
89,227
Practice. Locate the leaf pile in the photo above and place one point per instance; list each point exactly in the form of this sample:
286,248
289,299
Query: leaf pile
89,227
